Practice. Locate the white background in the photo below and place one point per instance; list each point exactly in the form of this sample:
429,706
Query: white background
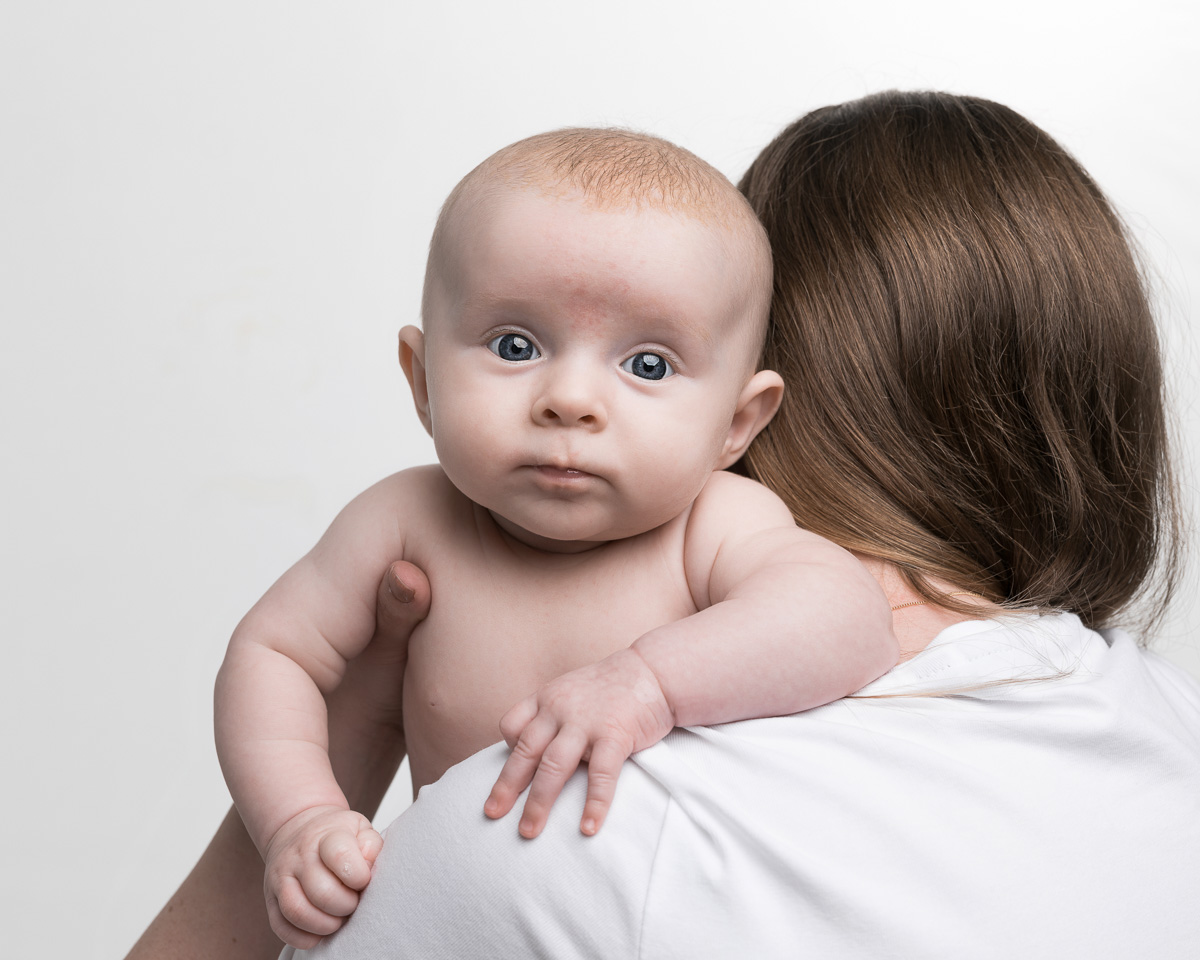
213,220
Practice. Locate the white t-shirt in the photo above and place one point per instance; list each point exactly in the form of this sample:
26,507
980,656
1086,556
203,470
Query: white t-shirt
1056,815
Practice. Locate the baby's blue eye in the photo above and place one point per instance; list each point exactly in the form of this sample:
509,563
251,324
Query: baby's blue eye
648,366
513,347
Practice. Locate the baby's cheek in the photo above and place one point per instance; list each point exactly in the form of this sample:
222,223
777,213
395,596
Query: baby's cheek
466,457
466,430
674,474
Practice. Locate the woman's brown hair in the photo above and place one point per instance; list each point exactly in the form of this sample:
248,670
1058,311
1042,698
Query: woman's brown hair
974,380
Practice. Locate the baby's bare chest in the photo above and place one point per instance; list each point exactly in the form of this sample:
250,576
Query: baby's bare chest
500,627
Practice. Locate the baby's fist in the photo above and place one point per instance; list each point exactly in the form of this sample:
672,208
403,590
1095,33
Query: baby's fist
316,864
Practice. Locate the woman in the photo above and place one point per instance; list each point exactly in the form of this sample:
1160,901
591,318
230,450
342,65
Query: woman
975,408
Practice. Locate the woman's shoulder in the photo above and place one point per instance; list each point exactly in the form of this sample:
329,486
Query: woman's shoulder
843,830
1052,760
1025,654
451,883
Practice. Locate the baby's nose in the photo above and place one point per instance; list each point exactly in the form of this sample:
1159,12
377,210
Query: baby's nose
571,399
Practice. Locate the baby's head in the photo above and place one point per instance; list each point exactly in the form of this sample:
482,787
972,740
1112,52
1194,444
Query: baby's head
595,305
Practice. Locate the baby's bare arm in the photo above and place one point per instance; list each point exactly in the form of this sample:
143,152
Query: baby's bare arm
787,621
218,910
289,651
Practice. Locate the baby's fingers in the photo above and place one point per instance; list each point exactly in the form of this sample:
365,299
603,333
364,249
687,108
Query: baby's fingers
326,893
604,767
560,760
519,768
342,853
290,934
514,722
295,919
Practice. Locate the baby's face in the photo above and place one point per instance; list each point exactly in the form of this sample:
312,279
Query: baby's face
584,365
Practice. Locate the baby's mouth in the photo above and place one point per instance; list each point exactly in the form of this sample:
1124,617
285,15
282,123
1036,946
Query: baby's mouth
562,474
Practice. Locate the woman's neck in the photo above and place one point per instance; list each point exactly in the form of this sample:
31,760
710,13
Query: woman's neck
915,620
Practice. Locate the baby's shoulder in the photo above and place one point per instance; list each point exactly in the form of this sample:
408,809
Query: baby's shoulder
730,501
419,502
730,511
423,486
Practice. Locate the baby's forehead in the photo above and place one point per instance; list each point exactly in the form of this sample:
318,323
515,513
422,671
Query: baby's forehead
503,214
501,211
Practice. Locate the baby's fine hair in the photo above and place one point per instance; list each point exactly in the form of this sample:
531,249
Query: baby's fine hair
975,389
614,169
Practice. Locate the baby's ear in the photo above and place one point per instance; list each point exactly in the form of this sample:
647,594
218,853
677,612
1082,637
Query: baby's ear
412,361
757,403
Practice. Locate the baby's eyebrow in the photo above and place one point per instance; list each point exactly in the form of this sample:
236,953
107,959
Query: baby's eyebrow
492,301
663,326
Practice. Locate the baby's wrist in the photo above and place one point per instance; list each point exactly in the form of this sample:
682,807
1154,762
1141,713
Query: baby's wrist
296,821
648,687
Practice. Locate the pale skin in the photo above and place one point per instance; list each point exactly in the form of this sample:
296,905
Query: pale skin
585,374
217,914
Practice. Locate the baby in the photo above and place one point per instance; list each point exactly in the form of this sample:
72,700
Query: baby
595,304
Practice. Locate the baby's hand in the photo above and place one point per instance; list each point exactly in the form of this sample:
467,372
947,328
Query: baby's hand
316,864
601,713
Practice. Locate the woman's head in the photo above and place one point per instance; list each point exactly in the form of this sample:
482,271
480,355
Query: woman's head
974,381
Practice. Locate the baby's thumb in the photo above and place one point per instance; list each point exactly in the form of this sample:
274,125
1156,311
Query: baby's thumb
369,844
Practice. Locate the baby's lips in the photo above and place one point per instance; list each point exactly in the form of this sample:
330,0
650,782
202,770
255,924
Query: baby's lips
561,470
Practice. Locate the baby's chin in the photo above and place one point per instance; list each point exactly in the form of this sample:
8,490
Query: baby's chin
565,534
551,537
